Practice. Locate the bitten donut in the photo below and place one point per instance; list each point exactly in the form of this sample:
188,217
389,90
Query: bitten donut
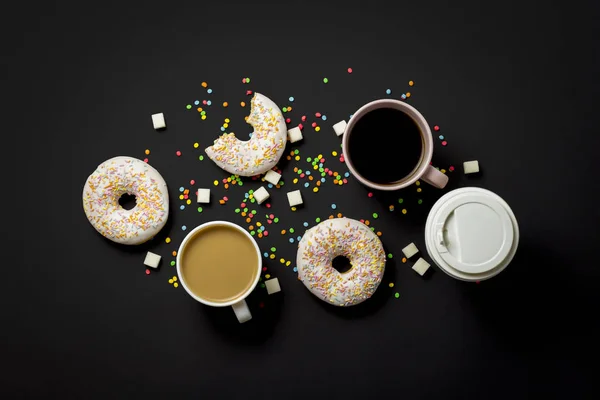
105,186
264,149
341,237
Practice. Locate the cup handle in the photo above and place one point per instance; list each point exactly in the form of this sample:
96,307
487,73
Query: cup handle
435,178
242,312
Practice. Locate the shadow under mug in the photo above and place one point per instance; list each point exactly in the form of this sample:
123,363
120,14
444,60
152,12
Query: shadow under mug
423,170
242,312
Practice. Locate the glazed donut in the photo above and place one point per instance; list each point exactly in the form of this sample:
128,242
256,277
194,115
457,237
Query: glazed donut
108,183
341,237
264,149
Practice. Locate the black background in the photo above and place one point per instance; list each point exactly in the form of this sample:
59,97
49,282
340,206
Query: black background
512,84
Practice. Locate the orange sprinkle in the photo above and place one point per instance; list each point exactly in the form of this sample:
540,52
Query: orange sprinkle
335,181
242,104
379,233
248,220
243,214
226,186
221,201
199,109
283,231
403,259
147,151
318,183
174,253
225,104
367,223
410,83
204,84
260,235
289,158
331,217
186,191
295,169
339,215
289,108
251,227
310,178
407,94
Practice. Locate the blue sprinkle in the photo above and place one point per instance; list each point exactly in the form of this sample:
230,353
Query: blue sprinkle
322,180
246,195
266,254
351,115
250,134
295,269
262,228
307,173
441,137
299,238
181,207
209,102
347,174
388,91
196,102
291,240
222,129
181,189
403,96
333,206
306,184
291,99
183,228
324,117
209,91
320,165
305,224
270,186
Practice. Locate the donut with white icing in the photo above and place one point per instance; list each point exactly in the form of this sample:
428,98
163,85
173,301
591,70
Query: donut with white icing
341,237
264,149
105,186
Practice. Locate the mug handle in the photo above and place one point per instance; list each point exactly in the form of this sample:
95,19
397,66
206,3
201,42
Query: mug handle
435,178
242,312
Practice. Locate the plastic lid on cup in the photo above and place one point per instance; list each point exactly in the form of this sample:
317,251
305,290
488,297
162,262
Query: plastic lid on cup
471,234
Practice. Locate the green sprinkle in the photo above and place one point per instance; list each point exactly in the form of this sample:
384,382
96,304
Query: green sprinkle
252,233
251,191
317,220
276,220
284,109
321,169
373,229
400,201
420,201
325,80
273,249
172,263
397,295
323,174
253,212
201,158
338,177
240,183
246,209
252,200
308,159
292,229
296,151
299,171
237,210
375,215
189,106
262,285
390,255
247,80
203,113
199,209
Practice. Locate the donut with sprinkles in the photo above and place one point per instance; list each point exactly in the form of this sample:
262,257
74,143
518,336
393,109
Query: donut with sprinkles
264,149
341,237
126,175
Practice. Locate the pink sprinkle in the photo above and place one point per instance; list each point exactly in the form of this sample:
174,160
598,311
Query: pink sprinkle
225,198
288,120
243,80
349,70
178,153
204,102
370,194
192,182
185,196
264,269
342,158
444,143
271,216
243,205
330,173
248,92
451,168
268,205
318,115
345,180
145,160
224,180
326,170
300,126
251,216
302,175
314,124
269,221
362,220
147,272
266,233
436,128
322,160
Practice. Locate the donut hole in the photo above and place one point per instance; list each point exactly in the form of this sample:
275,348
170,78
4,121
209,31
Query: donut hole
341,264
127,201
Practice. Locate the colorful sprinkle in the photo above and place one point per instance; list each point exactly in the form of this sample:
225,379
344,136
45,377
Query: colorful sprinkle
388,91
396,295
325,80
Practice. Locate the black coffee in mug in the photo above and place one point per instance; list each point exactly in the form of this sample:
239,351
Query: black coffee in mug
386,145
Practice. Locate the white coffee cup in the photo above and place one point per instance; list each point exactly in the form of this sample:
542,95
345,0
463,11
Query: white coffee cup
242,312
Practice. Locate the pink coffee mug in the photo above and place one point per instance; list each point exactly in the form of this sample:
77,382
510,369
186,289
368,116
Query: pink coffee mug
423,170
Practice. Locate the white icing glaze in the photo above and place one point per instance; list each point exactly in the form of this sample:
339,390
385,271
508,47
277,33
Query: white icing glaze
112,179
264,149
341,237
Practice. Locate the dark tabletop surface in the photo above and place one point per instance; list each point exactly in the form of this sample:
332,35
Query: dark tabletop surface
511,84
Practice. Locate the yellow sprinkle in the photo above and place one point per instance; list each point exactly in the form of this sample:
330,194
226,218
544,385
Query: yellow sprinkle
196,145
419,190
281,260
188,202
295,180
272,256
267,276
404,211
418,183
174,279
181,197
258,224
225,125
204,117
443,171
171,281
287,263
317,129
216,183
297,158
168,240
227,120
294,208
334,153
391,284
320,156
315,189
176,284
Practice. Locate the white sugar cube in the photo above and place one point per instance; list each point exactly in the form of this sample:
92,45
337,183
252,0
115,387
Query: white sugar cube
152,260
203,195
340,128
410,250
471,167
421,266
272,177
295,198
158,120
272,286
295,135
261,194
